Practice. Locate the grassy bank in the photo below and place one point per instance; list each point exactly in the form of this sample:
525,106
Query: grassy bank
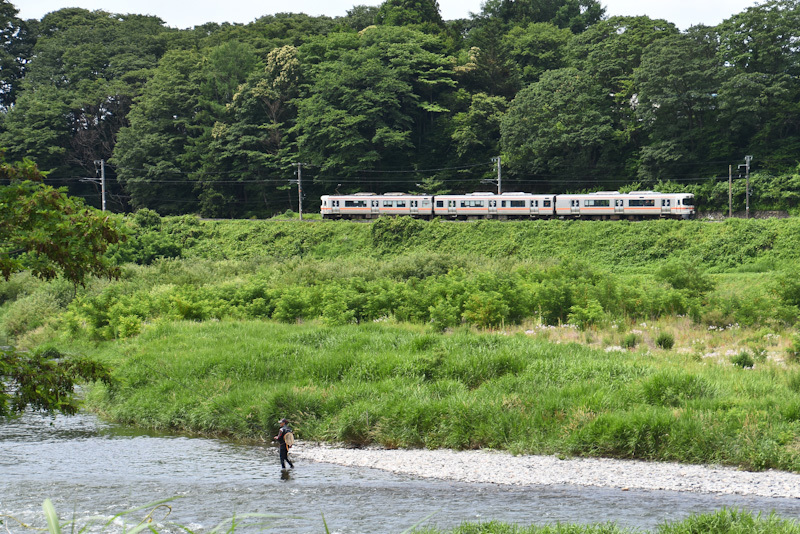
403,386
621,245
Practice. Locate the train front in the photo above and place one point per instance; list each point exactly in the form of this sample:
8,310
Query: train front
685,206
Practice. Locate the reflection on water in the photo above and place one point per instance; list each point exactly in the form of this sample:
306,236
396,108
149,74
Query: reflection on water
91,468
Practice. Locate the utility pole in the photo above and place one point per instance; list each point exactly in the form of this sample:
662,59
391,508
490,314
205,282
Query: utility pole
499,176
747,160
730,191
102,164
300,188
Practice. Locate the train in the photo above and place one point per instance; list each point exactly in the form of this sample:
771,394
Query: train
602,205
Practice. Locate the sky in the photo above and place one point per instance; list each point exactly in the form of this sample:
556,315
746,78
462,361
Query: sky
188,13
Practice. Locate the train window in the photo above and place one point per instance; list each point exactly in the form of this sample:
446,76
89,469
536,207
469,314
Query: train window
517,203
641,203
388,203
355,203
426,203
665,202
401,204
598,203
414,203
440,203
546,203
503,203
619,203
688,202
451,203
472,203
336,203
374,203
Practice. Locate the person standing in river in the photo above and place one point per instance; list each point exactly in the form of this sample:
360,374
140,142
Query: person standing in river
283,447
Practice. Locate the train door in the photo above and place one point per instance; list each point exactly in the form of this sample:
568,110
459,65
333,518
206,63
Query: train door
666,208
335,207
414,207
451,207
375,207
534,207
619,206
492,207
575,207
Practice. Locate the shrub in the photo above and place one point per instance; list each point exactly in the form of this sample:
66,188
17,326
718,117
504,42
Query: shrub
793,352
683,274
485,309
630,340
743,360
665,340
584,317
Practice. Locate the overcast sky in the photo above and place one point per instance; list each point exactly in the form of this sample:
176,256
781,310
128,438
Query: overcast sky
188,13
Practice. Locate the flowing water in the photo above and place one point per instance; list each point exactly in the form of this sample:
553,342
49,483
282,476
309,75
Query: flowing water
90,468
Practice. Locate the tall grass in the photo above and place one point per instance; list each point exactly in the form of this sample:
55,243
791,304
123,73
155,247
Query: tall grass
406,387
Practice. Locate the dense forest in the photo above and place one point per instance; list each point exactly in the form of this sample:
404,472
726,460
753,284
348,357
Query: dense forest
218,119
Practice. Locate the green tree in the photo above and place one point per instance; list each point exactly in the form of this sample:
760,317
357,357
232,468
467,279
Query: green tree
759,101
611,50
536,48
575,15
476,131
360,16
421,13
86,68
16,48
150,154
44,230
372,99
250,143
44,381
678,83
559,126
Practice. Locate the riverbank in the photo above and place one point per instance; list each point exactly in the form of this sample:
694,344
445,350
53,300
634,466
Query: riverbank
493,467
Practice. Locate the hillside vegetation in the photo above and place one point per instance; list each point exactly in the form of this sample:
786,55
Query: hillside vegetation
585,338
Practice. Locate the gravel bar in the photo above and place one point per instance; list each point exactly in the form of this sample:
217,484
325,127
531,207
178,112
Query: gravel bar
493,467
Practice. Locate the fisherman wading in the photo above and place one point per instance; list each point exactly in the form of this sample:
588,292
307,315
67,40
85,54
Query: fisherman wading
285,439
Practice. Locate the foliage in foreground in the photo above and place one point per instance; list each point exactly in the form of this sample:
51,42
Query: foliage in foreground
406,387
44,380
724,521
49,233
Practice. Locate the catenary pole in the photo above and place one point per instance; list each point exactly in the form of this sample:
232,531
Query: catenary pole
747,160
499,176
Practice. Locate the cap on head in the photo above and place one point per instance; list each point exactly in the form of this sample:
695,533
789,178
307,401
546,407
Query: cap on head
283,421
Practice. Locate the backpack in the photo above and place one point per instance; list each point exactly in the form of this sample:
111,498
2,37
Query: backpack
288,438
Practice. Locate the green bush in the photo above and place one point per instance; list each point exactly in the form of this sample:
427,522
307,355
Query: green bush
584,317
665,340
630,340
793,352
743,360
684,274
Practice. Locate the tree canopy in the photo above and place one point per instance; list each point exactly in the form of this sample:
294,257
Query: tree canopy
215,119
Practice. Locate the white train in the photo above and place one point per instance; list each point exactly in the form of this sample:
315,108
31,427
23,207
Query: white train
604,205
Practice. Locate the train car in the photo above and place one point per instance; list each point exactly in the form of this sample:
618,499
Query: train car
612,205
372,206
492,206
606,205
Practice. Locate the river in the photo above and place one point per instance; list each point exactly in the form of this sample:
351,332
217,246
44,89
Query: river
91,468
